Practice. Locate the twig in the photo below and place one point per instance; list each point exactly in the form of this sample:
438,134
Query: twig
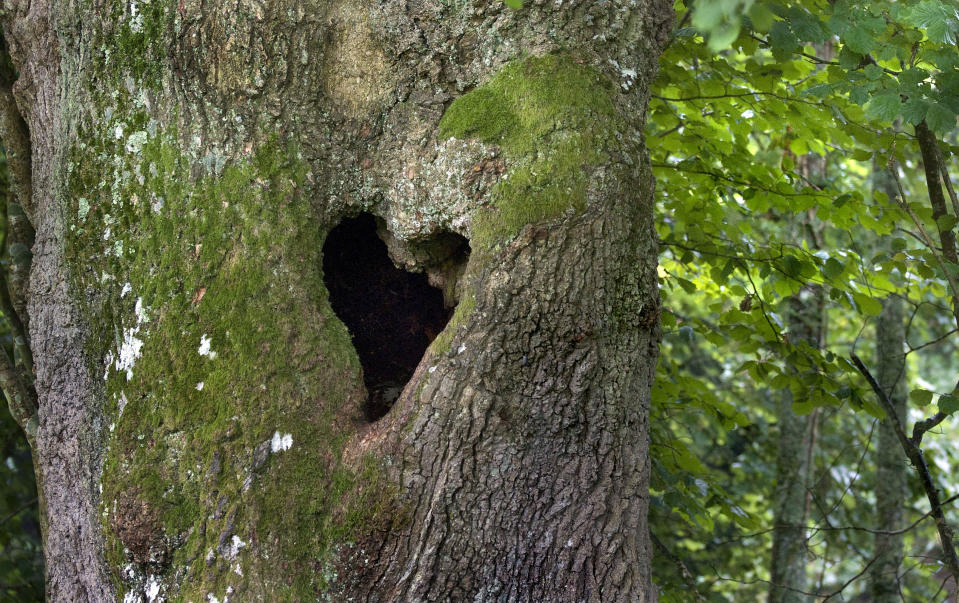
915,456
948,181
927,240
683,570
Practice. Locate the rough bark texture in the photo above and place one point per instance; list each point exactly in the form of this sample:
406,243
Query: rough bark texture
200,426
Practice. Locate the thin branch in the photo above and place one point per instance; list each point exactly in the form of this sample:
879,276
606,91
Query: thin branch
939,339
927,240
851,580
18,510
915,456
908,528
921,427
750,93
948,181
720,176
683,570
929,147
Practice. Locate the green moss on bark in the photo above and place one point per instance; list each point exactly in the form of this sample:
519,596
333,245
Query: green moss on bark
554,119
230,385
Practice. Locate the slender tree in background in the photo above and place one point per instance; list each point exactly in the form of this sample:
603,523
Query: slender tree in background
201,431
891,463
806,329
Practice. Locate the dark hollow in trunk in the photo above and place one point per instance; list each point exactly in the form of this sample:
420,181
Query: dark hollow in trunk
392,315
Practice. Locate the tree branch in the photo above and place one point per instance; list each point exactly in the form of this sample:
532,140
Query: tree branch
683,570
915,456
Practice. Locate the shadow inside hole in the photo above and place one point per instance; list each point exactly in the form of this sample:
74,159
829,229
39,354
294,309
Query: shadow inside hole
392,314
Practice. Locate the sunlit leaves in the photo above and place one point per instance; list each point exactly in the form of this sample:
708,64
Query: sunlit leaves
732,136
939,20
721,20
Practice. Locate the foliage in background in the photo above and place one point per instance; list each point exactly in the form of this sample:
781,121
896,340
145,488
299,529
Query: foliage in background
743,94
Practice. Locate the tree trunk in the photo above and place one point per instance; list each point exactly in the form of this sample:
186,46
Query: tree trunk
202,433
806,322
794,460
891,463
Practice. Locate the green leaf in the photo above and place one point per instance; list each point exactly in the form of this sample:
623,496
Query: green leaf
832,269
514,4
867,304
807,26
782,38
859,40
873,71
762,17
948,403
946,222
913,76
935,19
940,119
920,397
884,106
723,35
687,286
848,59
914,110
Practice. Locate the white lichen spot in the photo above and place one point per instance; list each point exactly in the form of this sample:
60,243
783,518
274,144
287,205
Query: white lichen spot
132,597
140,312
127,287
281,441
121,404
136,141
106,234
157,205
432,369
152,589
129,351
204,349
129,570
238,570
235,545
210,556
83,208
212,598
199,386
461,349
118,132
136,18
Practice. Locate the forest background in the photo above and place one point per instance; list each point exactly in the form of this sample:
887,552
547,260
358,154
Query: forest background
805,154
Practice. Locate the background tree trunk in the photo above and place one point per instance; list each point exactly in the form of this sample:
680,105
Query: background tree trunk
201,429
795,454
891,463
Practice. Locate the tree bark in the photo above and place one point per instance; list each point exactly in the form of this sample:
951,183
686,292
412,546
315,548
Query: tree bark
891,464
794,460
795,454
890,461
201,433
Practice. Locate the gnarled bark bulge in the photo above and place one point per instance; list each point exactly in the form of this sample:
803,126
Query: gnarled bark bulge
201,427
